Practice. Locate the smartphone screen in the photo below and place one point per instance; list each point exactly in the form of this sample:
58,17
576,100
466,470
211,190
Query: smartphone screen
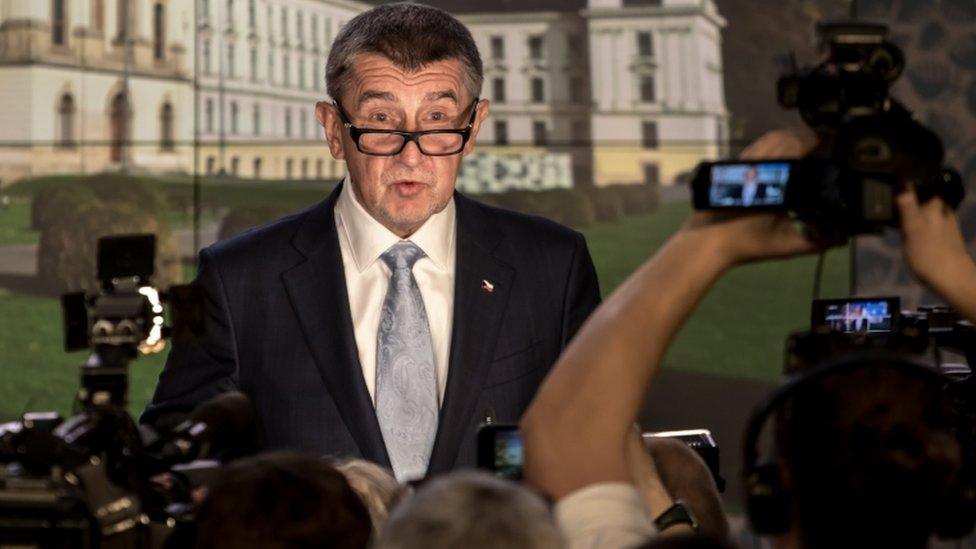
508,454
748,185
500,450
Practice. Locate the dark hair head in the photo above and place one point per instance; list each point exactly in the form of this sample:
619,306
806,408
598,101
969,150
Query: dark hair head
411,36
282,500
870,456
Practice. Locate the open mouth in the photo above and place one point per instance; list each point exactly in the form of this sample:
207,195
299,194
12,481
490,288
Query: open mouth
407,188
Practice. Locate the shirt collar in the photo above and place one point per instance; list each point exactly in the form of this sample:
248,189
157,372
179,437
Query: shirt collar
368,238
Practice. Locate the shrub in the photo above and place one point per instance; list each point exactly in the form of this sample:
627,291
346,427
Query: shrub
59,198
607,205
66,259
242,218
569,207
57,201
565,206
635,199
119,188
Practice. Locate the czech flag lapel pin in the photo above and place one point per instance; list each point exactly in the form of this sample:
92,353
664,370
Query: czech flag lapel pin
487,286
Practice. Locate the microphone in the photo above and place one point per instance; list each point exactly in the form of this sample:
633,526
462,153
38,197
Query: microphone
221,429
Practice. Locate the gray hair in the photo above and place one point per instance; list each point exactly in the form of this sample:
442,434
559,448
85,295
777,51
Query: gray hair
471,509
375,485
411,36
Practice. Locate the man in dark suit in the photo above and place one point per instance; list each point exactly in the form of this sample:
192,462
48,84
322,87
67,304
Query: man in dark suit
390,320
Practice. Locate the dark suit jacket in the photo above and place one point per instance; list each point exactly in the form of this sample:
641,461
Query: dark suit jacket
278,328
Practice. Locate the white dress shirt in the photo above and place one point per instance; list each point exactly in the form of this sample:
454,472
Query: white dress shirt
362,240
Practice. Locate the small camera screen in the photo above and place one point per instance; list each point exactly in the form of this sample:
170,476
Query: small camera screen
749,185
508,454
859,316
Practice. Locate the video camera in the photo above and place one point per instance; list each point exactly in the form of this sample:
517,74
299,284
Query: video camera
936,335
94,479
871,146
843,325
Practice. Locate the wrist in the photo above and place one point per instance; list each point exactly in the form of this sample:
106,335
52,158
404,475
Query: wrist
678,516
711,244
657,499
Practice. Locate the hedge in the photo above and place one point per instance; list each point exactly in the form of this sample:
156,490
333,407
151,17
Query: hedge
244,217
72,216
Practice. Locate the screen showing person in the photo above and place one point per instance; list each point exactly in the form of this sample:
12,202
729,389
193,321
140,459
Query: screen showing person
859,315
500,450
749,185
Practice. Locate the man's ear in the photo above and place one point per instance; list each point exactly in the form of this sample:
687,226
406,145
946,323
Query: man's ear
327,116
482,115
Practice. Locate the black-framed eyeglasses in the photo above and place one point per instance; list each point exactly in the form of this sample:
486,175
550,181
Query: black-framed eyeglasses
377,142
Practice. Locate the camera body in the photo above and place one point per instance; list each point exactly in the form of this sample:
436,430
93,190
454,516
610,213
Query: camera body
871,146
845,325
87,480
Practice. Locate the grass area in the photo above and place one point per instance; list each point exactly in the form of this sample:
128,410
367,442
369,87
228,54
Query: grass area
36,374
15,222
738,330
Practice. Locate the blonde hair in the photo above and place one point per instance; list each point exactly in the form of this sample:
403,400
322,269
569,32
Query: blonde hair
375,485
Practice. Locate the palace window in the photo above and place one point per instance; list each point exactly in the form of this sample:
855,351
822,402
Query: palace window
231,58
647,92
59,23
234,115
498,90
166,139
501,132
535,46
207,68
645,44
649,135
208,116
497,47
98,14
159,32
122,19
66,115
540,133
538,90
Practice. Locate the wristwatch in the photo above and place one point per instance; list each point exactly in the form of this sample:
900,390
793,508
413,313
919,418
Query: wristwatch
676,514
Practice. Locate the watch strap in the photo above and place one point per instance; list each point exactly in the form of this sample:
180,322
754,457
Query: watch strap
676,514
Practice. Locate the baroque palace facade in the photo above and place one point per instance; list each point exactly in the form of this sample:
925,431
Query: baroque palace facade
582,92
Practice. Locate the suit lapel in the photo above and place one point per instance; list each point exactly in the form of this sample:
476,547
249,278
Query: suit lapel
317,291
478,314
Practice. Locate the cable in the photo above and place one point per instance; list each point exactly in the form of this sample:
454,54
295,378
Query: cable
818,274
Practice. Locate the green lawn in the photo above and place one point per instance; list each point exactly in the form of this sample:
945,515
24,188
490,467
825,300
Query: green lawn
740,327
738,330
36,374
15,222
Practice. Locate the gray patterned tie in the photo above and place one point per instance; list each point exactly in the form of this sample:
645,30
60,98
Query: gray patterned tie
406,388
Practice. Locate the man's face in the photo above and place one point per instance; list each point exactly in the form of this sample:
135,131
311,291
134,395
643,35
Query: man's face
404,190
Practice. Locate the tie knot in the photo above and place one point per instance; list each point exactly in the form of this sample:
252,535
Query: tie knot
402,255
